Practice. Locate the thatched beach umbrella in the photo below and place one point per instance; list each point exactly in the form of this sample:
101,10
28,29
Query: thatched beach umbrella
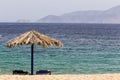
33,38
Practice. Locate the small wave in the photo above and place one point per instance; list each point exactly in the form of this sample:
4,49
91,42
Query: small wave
0,36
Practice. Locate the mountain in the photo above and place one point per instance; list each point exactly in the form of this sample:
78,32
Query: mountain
111,15
23,21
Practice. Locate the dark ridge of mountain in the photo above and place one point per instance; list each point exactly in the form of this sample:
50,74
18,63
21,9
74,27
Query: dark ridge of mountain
111,15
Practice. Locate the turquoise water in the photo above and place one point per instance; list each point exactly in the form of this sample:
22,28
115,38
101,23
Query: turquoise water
88,49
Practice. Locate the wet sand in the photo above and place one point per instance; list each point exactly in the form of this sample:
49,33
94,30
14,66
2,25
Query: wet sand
62,77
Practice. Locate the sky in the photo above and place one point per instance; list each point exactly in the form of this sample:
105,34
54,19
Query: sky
33,10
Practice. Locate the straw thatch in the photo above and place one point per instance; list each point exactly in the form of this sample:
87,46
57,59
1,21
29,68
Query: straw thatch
34,37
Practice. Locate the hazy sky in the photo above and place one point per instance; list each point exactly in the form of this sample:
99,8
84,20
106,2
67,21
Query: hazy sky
12,10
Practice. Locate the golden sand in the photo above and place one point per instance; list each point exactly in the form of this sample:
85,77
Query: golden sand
62,77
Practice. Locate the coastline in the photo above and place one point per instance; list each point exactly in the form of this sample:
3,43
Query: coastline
114,76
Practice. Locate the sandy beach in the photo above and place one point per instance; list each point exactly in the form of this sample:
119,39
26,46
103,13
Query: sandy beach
62,77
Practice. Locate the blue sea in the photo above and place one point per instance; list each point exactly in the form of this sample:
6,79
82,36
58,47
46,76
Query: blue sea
88,48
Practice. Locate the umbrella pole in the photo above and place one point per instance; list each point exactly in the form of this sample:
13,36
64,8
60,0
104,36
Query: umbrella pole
32,57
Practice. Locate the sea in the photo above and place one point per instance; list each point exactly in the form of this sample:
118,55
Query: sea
88,48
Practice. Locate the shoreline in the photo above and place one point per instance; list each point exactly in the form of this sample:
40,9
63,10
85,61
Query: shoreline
114,76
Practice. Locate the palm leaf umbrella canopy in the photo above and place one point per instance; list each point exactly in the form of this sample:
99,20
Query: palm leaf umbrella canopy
33,38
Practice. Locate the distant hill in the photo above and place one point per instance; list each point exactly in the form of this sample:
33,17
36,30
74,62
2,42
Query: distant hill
23,21
111,15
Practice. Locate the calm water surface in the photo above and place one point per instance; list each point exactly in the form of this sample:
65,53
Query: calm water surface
88,48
